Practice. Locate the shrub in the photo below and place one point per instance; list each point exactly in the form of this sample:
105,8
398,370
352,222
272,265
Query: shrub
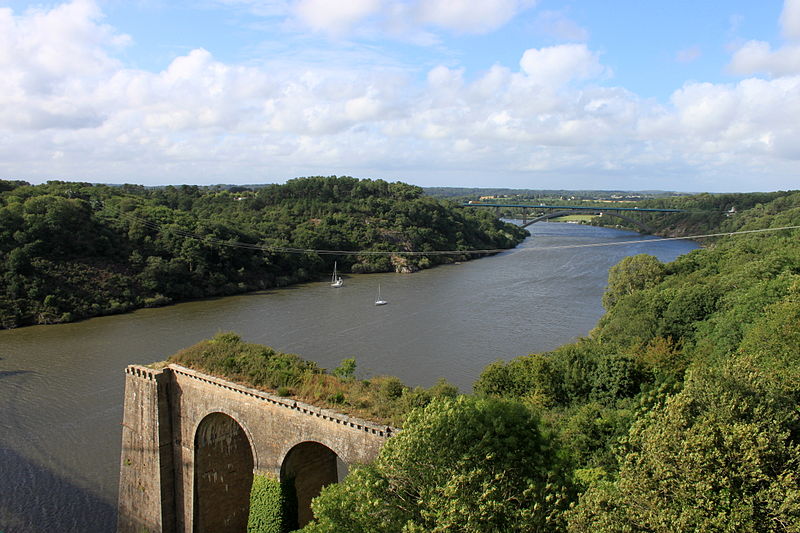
271,506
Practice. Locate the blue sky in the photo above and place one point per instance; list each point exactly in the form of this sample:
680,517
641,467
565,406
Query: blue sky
623,94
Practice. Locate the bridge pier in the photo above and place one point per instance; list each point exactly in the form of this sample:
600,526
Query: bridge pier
146,481
191,444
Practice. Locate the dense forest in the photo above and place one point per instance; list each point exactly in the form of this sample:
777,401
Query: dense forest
679,412
74,250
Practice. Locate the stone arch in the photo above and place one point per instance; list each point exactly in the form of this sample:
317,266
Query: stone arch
223,475
308,467
198,421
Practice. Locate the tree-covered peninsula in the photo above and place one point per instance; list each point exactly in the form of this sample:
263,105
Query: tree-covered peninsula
75,250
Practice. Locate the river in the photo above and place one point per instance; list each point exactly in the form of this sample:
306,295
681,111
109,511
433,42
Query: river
61,386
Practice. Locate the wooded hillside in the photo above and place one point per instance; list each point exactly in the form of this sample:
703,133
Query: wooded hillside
75,250
677,413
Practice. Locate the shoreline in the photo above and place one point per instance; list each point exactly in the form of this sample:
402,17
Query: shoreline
167,302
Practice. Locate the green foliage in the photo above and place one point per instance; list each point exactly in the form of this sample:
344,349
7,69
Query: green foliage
383,399
576,373
390,388
722,455
679,412
465,464
773,343
346,369
630,275
271,506
711,213
99,250
255,365
588,433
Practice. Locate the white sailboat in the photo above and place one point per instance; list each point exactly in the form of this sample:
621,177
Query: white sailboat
336,280
378,301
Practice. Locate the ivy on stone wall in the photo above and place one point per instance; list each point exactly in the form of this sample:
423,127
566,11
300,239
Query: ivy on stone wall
272,506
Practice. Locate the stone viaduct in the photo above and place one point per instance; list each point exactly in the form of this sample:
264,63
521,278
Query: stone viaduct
191,444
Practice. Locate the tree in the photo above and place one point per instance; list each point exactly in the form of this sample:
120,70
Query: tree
722,455
464,464
774,340
346,369
632,274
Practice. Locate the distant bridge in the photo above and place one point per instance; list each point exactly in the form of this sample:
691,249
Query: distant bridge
557,211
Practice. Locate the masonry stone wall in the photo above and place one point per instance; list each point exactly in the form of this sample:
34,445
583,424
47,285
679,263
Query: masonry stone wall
164,410
146,488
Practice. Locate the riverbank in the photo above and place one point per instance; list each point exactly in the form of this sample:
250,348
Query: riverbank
78,250
91,278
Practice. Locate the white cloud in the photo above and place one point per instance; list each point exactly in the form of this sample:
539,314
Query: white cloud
687,55
790,19
705,107
203,120
48,59
758,57
334,17
468,16
45,47
751,123
411,20
363,108
262,8
557,65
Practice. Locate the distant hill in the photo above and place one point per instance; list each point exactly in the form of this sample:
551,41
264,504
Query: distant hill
707,213
473,193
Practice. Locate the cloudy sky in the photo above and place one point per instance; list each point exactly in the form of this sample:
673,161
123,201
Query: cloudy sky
576,94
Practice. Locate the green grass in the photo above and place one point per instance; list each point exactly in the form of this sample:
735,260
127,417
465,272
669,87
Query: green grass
577,218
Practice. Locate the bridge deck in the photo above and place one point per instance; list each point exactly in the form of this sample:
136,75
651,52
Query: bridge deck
576,207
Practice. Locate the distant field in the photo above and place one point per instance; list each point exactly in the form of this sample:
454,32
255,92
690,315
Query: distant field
573,218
